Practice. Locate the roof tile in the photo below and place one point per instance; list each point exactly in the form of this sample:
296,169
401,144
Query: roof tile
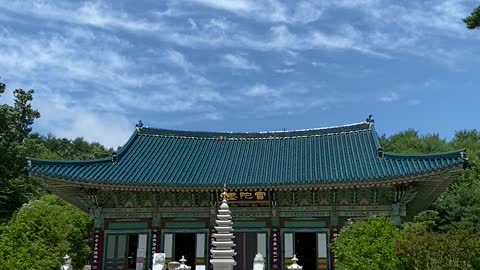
155,157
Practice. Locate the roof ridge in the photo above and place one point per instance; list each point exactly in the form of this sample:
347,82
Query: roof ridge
460,153
72,162
257,134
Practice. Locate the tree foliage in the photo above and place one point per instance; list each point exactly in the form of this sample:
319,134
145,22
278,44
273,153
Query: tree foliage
459,206
473,21
40,234
51,147
44,230
15,127
438,251
410,142
428,250
368,245
443,237
17,143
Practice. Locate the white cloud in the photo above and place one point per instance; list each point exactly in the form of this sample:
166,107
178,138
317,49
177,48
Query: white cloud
65,118
213,116
192,23
319,64
97,14
288,99
414,102
261,90
178,59
271,11
284,70
236,61
232,6
390,97
86,86
413,22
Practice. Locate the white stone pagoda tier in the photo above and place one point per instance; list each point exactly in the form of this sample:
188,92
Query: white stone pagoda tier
222,251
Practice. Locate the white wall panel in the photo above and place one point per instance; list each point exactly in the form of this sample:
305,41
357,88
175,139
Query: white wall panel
322,245
288,241
200,250
262,243
168,245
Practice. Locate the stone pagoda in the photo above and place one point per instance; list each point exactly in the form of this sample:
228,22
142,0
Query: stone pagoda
222,251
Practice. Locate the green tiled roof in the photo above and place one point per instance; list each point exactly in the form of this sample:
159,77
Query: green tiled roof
169,158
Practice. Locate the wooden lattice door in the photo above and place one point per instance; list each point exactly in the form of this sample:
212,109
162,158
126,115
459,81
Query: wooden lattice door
115,252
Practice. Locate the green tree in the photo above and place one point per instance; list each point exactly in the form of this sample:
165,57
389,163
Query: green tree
410,142
459,206
50,147
473,21
438,251
368,245
41,233
15,127
426,221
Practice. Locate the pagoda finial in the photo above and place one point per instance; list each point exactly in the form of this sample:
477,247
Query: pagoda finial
224,193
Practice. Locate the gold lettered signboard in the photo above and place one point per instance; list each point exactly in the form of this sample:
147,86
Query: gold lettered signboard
254,196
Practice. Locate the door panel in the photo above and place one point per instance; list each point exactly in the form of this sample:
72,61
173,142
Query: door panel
115,258
121,250
247,246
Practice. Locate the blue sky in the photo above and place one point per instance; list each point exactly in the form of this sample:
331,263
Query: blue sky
99,66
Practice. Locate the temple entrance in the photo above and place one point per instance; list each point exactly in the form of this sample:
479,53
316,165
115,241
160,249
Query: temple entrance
132,251
247,246
184,245
124,251
306,249
310,247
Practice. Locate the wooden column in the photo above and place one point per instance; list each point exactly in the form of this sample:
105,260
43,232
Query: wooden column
98,239
275,249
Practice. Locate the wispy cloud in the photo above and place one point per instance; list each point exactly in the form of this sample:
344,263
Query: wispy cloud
412,22
289,98
97,14
236,61
271,11
284,70
261,90
414,102
178,59
390,97
64,117
83,79
232,6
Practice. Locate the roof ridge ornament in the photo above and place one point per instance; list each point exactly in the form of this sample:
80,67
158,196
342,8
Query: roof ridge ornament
370,119
380,152
114,157
139,125
463,156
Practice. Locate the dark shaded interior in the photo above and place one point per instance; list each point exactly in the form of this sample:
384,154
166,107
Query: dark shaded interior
185,245
132,251
306,249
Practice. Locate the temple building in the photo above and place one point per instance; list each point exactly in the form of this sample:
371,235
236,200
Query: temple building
289,192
